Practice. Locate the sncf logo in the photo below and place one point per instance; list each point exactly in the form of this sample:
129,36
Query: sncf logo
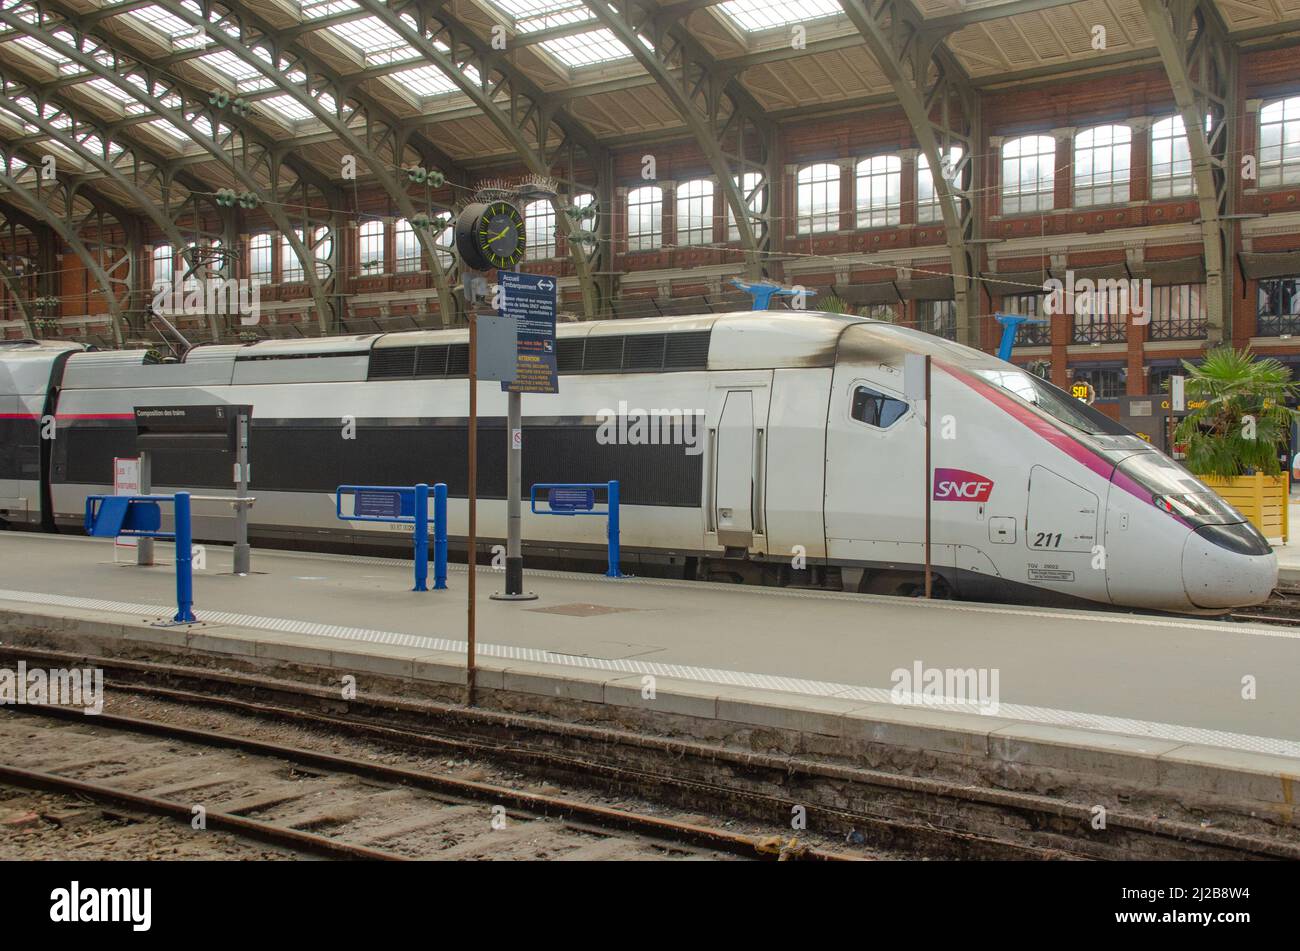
958,485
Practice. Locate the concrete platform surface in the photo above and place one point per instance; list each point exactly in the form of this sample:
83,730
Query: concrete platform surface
1166,682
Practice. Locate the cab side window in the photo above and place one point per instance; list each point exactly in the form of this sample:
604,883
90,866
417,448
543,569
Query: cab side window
876,409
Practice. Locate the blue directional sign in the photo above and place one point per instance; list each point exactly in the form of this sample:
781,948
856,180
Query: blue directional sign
530,300
572,500
381,503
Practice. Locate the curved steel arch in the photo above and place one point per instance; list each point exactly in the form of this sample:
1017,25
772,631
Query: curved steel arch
420,27
696,93
95,268
157,87
1200,63
908,54
11,218
11,89
255,33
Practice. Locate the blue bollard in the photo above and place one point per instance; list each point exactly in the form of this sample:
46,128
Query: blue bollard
184,565
612,505
421,537
440,536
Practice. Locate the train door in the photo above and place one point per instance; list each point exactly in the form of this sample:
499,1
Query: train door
1061,525
735,509
875,472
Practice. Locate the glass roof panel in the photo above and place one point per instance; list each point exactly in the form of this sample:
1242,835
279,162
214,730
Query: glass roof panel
587,49
374,40
245,76
288,107
756,15
178,33
533,15
315,9
133,105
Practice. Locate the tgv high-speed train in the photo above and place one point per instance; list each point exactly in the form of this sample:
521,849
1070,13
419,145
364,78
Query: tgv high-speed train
742,442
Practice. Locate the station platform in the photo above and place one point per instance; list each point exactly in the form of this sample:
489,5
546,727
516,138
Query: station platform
1134,698
1288,555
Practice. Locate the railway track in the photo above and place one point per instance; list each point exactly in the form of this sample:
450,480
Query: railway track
898,815
317,803
1282,607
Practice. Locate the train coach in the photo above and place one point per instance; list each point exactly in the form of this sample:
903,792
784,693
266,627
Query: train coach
744,443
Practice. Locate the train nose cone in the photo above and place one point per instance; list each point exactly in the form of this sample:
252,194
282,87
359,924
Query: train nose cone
1228,566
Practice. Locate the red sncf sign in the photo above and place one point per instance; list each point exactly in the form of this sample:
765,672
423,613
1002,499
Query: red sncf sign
958,485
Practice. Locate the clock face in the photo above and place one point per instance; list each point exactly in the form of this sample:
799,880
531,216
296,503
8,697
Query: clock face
500,235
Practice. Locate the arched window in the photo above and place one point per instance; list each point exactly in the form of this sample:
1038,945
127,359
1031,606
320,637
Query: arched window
880,191
164,264
695,212
290,264
1102,157
1028,174
1279,143
370,250
817,198
1171,160
406,247
259,259
755,196
645,218
927,201
539,225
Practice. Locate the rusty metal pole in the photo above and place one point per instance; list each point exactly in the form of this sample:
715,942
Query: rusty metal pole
928,491
471,559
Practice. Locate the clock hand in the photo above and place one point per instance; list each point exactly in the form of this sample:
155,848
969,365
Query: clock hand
500,234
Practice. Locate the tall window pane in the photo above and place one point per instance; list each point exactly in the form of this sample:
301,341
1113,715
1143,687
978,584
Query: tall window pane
164,263
259,259
539,229
1171,160
1279,143
645,218
370,240
406,246
754,195
1101,165
695,212
322,250
290,265
927,202
880,191
818,198
1028,174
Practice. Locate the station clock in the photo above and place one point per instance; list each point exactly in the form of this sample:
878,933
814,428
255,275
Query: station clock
490,235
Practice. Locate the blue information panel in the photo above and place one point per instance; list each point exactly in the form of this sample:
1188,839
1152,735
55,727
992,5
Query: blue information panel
379,504
572,500
530,300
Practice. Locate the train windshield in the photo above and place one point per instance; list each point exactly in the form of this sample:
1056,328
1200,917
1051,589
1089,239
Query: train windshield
1177,491
1059,405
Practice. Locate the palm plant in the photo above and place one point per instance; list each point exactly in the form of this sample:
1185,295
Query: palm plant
1239,416
831,304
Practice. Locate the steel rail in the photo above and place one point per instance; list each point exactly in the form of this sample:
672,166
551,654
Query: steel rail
1042,811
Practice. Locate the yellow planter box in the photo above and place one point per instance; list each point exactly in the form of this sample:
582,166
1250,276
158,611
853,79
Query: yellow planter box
1262,499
